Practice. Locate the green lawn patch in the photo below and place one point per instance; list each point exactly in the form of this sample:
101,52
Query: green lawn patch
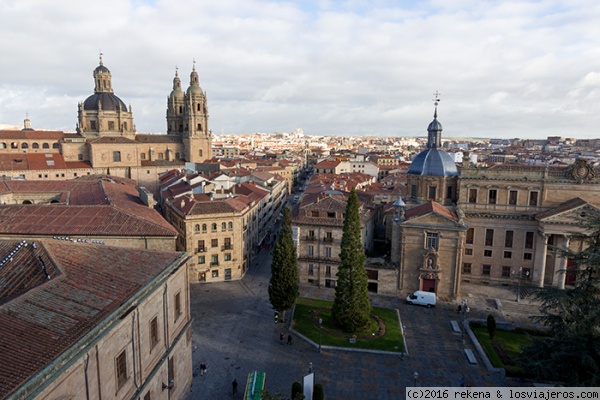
504,349
383,332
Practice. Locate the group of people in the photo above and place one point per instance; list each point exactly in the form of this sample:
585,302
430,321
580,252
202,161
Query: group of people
282,337
234,384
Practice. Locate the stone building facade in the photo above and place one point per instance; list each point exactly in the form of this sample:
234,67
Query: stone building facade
120,326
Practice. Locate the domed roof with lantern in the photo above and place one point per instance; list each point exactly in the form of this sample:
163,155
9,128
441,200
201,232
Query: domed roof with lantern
434,161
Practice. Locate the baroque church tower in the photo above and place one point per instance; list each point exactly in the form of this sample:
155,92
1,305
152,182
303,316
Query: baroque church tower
187,117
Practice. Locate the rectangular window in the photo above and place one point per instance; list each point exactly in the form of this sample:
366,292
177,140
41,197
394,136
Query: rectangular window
311,251
512,197
330,215
506,272
533,199
372,274
153,332
492,196
201,247
311,269
413,190
468,252
311,234
466,269
328,252
527,256
472,196
116,156
177,305
487,253
432,192
470,236
508,239
486,269
214,259
431,241
489,237
328,271
508,254
529,240
121,368
111,125
201,260
314,214
215,273
227,243
328,236
214,243
227,256
93,125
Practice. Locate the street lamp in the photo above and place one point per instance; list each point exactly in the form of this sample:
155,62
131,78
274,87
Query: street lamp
464,309
320,324
416,376
519,275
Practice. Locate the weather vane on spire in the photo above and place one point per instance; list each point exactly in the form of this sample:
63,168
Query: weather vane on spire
437,97
100,57
194,59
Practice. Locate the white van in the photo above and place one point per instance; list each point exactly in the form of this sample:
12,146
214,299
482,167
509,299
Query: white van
421,298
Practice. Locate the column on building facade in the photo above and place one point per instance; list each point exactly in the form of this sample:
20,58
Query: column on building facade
539,267
460,245
560,274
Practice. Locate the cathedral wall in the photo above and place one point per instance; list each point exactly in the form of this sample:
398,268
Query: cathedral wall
114,155
72,151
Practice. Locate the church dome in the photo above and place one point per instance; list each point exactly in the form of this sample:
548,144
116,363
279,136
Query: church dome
177,93
194,87
108,101
433,162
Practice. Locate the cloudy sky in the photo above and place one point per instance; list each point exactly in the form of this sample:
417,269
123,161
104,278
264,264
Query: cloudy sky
503,68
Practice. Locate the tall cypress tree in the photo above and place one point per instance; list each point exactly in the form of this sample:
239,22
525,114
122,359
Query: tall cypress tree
283,285
351,308
572,353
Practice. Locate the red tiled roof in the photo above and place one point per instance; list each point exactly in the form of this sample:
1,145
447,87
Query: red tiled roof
45,317
430,207
86,207
31,135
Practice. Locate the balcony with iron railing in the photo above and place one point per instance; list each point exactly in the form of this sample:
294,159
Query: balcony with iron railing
328,239
227,246
311,238
200,249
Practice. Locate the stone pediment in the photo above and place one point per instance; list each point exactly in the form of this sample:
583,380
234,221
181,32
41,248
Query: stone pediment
568,213
432,218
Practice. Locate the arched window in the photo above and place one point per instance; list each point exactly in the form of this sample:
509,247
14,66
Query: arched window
203,227
214,226
223,226
34,145
27,202
14,145
45,146
197,228
2,145
55,145
230,225
24,145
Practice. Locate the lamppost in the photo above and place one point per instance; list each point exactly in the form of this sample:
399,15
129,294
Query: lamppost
415,376
464,309
320,324
519,275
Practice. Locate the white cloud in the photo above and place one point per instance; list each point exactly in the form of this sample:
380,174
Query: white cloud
329,67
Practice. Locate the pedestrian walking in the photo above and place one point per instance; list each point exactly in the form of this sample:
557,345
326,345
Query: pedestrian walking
234,386
202,369
276,317
281,338
289,339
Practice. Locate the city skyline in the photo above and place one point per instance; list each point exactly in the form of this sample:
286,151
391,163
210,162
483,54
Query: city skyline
504,69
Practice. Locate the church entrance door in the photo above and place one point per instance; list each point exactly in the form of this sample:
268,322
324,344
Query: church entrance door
429,285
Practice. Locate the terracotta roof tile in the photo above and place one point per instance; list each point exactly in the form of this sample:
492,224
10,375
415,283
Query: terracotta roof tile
430,207
48,316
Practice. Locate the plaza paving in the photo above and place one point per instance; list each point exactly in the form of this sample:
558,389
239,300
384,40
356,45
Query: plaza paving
234,333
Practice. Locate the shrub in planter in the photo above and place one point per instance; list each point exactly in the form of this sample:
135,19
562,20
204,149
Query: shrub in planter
297,390
318,392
